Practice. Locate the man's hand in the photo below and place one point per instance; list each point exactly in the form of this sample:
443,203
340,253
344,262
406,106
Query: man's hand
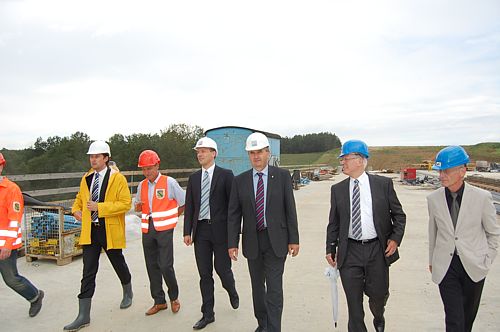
233,253
187,240
391,248
138,206
331,260
293,249
92,206
4,253
78,215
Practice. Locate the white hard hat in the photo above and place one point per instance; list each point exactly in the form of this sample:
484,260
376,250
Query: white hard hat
256,141
99,147
206,142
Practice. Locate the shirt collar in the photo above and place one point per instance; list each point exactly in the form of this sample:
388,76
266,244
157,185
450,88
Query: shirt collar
363,179
102,173
459,192
210,170
157,178
264,171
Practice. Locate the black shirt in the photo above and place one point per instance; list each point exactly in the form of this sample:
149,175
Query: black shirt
449,199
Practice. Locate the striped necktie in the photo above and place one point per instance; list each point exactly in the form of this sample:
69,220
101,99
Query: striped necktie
95,195
205,195
259,203
356,212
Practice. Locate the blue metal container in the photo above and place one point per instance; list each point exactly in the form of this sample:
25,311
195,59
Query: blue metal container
231,145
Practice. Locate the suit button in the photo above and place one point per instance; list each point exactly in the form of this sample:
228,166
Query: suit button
456,238
451,254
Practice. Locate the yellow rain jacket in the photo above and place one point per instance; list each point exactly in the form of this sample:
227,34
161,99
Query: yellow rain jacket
116,203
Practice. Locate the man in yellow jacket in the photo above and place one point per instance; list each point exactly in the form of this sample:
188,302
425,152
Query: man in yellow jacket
100,205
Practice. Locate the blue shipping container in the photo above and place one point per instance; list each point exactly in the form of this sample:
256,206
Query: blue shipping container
231,145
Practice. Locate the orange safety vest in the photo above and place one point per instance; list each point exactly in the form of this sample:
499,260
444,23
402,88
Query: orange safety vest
165,211
11,214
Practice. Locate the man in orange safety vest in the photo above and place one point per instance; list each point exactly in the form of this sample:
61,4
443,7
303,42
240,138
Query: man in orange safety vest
160,200
11,213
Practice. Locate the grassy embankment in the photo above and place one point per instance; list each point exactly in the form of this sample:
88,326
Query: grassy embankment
394,157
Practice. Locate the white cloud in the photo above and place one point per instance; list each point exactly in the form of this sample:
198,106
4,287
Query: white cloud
389,72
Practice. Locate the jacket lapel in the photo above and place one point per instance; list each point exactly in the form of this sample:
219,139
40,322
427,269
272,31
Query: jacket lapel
215,177
197,187
443,205
104,186
270,184
464,206
249,182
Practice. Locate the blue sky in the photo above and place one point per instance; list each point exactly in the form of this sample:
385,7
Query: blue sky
387,72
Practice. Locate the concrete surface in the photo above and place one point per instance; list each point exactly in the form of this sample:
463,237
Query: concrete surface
414,304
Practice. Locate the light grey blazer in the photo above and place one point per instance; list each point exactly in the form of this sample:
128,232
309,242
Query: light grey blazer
476,235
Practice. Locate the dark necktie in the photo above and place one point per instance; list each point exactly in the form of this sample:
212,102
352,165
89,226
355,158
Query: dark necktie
205,195
95,195
259,203
356,212
455,208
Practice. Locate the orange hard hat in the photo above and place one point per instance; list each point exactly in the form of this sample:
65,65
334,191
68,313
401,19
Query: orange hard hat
2,159
148,158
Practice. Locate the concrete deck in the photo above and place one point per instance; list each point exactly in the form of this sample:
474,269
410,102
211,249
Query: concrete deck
414,304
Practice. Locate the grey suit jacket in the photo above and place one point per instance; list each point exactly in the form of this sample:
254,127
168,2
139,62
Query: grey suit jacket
476,234
281,216
388,216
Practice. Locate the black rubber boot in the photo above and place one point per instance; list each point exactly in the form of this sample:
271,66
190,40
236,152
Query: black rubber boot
83,318
127,296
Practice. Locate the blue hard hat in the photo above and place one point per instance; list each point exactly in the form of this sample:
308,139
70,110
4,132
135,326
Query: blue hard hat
450,156
354,146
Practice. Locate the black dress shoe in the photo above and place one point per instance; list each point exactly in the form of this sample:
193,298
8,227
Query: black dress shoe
260,329
204,321
235,300
379,327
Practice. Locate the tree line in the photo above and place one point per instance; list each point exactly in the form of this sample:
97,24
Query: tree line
319,142
174,146
69,154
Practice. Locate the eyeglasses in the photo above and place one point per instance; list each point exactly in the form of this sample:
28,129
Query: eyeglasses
347,159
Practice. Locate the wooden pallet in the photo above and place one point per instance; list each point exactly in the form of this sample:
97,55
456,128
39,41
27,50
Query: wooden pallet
60,261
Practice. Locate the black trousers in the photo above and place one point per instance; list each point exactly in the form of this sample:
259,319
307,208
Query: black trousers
266,274
364,271
460,296
91,254
159,256
209,253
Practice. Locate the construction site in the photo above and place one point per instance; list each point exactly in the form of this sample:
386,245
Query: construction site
51,255
52,261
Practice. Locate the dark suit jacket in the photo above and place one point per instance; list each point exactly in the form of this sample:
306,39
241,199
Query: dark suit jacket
281,216
388,216
220,189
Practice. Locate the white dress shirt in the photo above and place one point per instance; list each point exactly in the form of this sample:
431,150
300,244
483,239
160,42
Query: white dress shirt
365,197
210,171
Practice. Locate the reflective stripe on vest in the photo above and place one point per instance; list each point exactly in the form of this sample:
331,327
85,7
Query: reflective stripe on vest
165,211
11,213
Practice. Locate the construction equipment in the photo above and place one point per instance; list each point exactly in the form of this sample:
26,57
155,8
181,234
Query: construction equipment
409,175
482,166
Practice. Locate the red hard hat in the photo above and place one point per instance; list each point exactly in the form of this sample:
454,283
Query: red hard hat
148,158
2,159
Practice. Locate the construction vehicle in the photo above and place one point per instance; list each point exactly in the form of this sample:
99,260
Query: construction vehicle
409,175
482,166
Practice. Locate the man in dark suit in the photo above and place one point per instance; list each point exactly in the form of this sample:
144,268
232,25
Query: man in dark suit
263,196
366,224
205,224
